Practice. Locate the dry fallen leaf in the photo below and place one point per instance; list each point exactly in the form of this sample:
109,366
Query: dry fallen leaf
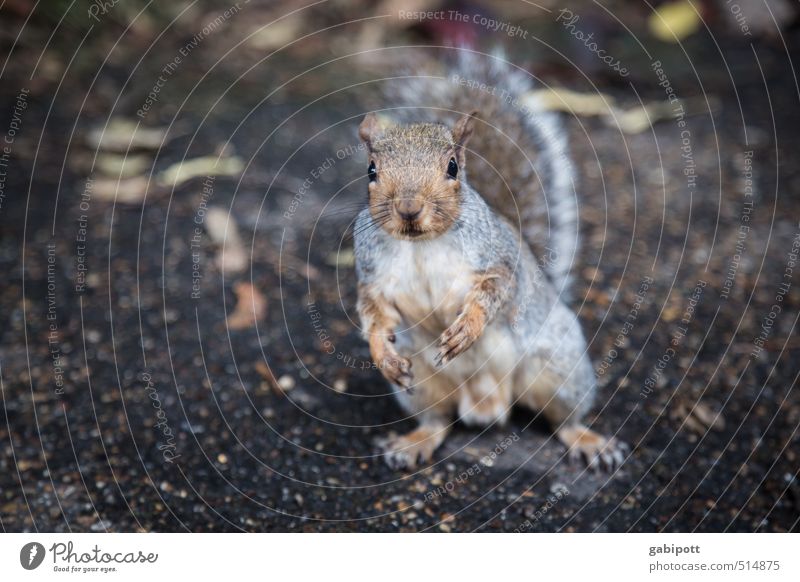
265,372
341,258
186,170
122,166
560,99
674,21
222,228
638,119
697,416
251,306
125,191
275,35
122,135
634,120
708,417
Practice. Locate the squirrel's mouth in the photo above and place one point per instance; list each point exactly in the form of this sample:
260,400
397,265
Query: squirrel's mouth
411,231
420,229
414,224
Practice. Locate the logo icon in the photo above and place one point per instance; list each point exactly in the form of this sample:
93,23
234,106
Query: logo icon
31,555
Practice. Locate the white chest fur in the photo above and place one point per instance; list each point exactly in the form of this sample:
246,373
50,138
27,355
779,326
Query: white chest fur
428,281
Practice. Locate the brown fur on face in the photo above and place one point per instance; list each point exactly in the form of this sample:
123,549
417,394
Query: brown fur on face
413,197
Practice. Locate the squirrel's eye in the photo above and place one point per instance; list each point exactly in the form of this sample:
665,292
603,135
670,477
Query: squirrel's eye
372,172
452,168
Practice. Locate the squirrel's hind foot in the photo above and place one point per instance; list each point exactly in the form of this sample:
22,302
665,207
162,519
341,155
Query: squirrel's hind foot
597,451
417,446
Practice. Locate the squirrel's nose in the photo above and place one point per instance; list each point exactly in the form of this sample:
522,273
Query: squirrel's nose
408,208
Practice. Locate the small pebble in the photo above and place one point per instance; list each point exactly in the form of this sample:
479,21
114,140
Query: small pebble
286,382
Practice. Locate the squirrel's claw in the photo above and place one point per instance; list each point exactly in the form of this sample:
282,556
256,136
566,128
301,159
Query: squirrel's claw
447,352
456,339
609,458
397,370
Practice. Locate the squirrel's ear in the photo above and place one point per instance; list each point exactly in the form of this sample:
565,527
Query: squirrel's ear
463,129
370,129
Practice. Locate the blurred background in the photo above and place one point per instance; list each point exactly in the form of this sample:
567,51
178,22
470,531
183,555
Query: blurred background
179,349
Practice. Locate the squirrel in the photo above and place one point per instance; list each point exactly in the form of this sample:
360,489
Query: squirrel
460,316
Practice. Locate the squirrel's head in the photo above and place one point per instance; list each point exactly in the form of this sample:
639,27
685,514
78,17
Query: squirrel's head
415,174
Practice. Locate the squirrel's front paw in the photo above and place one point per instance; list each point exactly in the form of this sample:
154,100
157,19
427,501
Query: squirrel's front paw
461,335
397,369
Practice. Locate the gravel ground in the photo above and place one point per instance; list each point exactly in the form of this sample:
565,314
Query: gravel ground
130,405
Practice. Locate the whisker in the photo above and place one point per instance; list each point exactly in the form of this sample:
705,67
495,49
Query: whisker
378,221
350,209
364,232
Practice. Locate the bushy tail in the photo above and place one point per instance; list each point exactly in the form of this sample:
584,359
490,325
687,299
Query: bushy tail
519,159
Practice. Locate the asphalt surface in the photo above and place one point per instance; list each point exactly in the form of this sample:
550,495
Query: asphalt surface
129,405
